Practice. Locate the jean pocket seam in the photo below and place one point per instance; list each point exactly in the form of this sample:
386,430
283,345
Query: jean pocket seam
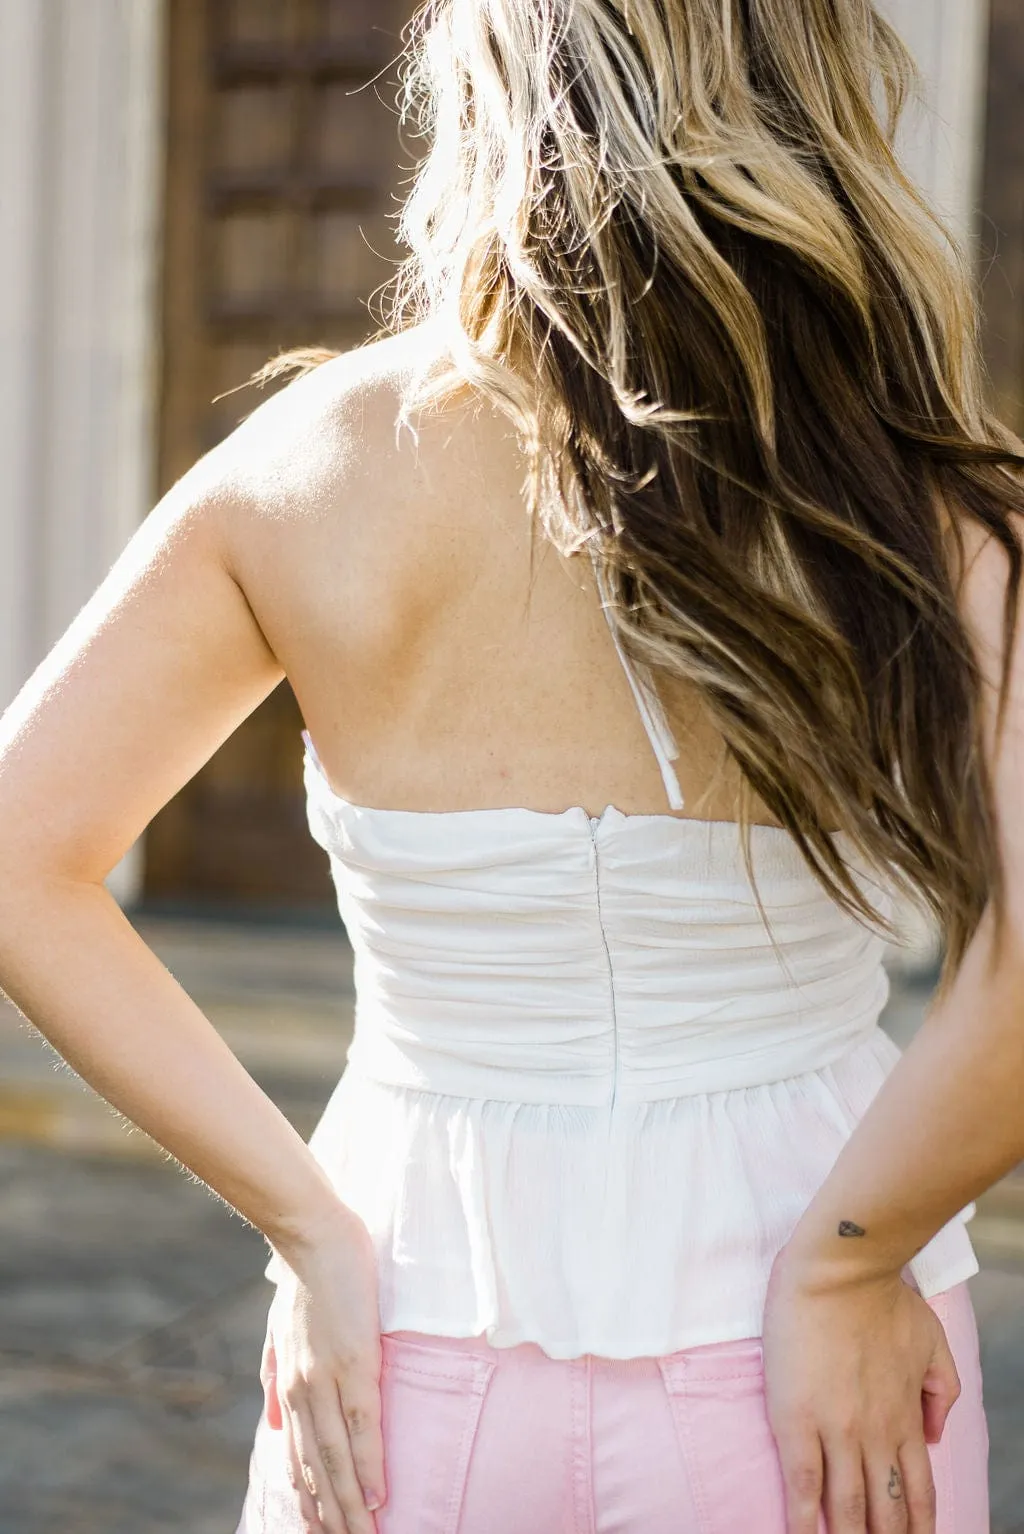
462,1377
405,1357
449,1426
681,1376
678,1400
482,1376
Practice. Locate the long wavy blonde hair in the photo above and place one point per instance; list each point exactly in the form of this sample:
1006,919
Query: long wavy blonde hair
672,241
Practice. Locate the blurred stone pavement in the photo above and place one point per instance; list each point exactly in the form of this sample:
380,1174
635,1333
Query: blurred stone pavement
132,1303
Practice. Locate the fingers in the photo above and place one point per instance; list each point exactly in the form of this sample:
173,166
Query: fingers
324,1459
339,1425
803,1475
297,1477
886,1493
855,1408
919,1487
315,1481
361,1410
939,1390
878,1491
268,1379
846,1498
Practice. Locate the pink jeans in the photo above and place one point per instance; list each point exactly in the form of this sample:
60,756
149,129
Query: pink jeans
482,1440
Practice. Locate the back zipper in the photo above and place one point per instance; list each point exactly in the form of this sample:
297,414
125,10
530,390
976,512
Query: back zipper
595,821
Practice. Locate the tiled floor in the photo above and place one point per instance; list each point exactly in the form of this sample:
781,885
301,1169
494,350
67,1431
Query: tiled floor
131,1316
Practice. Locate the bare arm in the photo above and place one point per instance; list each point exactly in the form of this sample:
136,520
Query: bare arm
949,1120
157,670
859,1374
162,664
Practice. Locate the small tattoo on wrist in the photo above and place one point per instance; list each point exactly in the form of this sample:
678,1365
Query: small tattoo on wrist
895,1487
848,1228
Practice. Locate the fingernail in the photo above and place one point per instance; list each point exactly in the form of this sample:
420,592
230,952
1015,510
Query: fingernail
373,1502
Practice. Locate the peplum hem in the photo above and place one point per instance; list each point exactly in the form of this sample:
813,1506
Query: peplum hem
626,1230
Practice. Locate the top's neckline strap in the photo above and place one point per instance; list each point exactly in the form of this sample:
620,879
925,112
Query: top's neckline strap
649,704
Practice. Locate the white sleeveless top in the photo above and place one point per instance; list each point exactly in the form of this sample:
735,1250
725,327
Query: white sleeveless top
586,1099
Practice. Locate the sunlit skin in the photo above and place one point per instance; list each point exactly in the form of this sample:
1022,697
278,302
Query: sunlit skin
388,582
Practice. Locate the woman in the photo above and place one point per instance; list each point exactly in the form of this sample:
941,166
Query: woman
625,1214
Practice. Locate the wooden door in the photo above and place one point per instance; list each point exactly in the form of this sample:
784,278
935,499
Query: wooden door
1002,211
283,168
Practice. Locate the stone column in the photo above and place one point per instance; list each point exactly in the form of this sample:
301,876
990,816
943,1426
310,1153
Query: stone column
942,137
81,143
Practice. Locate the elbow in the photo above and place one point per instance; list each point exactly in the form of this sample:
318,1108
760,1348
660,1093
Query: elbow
32,880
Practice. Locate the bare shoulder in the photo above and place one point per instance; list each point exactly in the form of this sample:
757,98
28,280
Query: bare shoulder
327,494
306,452
299,546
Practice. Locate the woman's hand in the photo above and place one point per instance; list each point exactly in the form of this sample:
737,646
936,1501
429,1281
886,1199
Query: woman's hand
321,1378
859,1380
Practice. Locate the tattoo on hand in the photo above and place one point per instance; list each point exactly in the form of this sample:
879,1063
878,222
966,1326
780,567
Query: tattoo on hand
895,1487
848,1228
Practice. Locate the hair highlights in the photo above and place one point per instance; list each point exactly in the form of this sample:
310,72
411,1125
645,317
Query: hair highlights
671,240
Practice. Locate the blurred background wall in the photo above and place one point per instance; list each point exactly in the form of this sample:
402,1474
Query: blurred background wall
942,138
188,186
82,146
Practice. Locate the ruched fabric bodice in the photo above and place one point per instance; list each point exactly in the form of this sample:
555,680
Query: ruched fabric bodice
593,961
592,1086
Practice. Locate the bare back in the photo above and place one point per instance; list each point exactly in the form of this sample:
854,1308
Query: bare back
434,671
